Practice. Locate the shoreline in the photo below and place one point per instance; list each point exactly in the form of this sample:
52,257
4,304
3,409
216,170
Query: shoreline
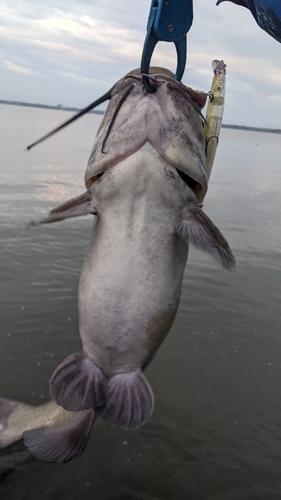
60,107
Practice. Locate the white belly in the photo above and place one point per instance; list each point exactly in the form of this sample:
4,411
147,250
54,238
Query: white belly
131,279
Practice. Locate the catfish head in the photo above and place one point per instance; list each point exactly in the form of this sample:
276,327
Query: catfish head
170,120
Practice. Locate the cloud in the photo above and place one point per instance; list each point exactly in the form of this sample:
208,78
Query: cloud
77,49
21,69
275,99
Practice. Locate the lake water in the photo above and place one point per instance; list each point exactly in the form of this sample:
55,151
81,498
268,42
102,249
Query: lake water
215,433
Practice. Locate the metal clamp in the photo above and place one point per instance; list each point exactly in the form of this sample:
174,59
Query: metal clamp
168,21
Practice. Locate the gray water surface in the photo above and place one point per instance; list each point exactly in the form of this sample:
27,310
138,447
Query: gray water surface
215,433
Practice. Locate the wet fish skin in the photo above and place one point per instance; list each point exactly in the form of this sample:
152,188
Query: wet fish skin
145,179
146,215
165,119
49,432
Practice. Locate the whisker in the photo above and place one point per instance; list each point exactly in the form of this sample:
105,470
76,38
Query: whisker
105,97
124,96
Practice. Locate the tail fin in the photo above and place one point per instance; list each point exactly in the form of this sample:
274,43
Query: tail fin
61,443
12,417
125,400
129,400
76,384
49,432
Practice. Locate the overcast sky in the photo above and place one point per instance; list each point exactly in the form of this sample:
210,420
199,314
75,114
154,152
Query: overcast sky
71,51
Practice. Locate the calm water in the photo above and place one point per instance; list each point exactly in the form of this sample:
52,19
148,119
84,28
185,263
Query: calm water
215,433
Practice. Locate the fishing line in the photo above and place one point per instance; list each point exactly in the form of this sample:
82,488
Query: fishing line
134,77
155,80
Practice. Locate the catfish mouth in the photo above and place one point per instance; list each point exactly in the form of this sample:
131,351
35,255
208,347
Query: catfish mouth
89,182
189,181
192,184
186,178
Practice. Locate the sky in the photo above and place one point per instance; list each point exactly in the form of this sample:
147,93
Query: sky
70,52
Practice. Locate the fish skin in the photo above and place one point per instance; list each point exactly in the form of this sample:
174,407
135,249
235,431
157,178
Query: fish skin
146,215
145,179
49,432
159,118
137,268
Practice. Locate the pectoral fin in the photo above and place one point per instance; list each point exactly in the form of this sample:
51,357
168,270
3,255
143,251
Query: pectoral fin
196,228
81,205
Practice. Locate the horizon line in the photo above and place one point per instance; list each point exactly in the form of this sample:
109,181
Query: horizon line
60,107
